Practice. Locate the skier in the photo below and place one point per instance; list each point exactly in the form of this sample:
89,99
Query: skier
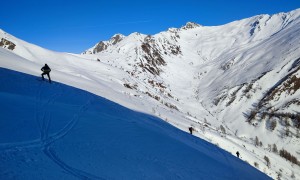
191,130
46,70
238,154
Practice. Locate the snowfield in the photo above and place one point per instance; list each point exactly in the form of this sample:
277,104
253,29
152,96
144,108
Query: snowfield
54,131
237,85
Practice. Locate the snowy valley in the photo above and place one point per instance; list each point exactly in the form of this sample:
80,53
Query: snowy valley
237,85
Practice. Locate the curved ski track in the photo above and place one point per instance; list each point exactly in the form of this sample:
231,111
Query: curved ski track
43,119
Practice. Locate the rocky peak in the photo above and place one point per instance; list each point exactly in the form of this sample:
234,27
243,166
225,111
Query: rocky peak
103,45
190,25
7,44
116,38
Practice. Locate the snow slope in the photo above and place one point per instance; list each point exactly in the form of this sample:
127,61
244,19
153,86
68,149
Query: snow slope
223,76
54,131
231,83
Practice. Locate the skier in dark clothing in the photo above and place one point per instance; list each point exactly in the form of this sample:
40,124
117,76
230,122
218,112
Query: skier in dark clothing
46,70
238,154
191,130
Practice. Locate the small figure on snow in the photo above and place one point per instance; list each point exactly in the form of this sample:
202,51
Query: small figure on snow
191,130
46,70
238,154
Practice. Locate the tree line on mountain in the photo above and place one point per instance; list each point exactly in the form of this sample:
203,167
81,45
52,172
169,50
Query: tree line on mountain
283,153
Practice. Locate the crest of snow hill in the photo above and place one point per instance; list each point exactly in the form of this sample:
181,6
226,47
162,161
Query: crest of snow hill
244,75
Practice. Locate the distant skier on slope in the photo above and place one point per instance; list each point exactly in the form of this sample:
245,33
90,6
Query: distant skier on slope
191,130
46,70
238,154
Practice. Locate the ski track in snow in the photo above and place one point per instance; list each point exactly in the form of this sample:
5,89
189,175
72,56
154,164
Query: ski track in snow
43,118
75,172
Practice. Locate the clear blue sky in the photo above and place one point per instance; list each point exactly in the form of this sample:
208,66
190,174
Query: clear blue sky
74,26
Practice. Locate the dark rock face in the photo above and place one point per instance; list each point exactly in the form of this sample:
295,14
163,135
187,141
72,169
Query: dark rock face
115,39
7,44
101,46
190,25
153,58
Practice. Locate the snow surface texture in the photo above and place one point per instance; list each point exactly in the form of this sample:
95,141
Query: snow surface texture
231,83
54,131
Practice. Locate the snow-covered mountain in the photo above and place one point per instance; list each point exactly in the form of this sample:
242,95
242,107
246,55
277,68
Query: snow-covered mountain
235,84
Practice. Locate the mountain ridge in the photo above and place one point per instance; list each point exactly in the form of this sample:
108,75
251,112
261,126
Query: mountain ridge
237,82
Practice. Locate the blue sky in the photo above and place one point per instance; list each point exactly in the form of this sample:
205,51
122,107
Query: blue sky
74,26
